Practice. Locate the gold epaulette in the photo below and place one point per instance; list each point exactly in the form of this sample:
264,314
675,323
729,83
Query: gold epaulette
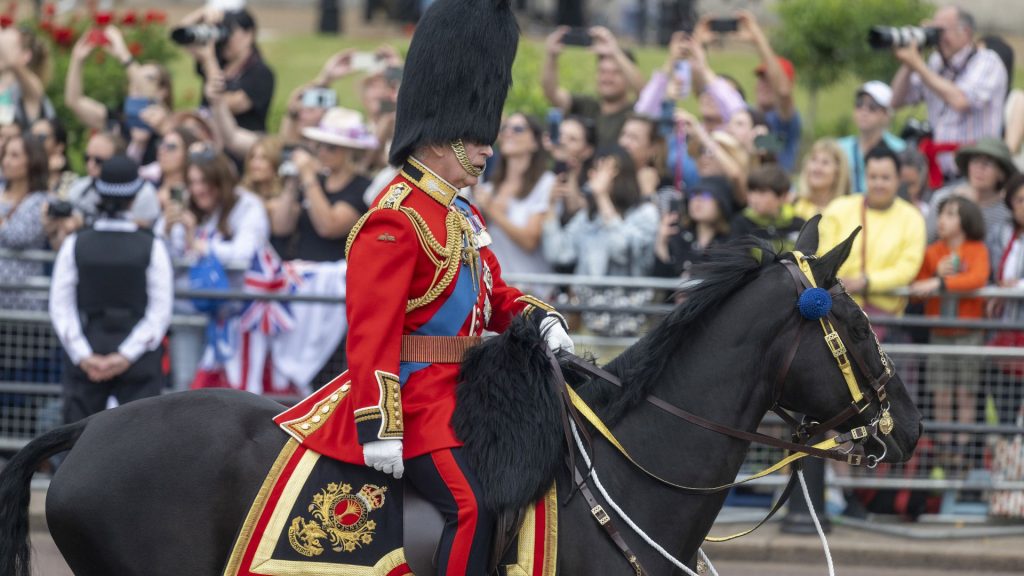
446,257
391,201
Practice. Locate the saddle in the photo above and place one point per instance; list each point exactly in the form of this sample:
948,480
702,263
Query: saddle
315,515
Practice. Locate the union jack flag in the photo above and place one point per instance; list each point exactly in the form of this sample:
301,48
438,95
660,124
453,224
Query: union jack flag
269,275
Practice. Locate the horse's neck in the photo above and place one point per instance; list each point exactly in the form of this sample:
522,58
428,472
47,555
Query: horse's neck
727,387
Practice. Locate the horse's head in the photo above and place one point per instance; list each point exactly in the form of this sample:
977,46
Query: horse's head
870,393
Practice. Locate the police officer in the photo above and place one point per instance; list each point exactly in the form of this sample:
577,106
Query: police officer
111,300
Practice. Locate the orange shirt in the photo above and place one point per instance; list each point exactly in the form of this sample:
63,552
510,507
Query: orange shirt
973,275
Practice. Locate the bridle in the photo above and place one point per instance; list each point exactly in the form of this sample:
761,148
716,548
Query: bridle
818,309
835,338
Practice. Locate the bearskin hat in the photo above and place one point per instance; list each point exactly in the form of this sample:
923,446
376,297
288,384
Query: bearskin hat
457,75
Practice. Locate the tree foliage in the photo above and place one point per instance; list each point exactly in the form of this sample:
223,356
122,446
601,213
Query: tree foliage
827,39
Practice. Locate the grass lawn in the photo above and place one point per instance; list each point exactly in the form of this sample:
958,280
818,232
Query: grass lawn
297,59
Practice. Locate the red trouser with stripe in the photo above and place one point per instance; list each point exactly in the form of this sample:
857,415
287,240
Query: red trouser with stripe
444,478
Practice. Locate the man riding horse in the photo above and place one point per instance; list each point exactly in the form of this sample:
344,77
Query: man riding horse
422,283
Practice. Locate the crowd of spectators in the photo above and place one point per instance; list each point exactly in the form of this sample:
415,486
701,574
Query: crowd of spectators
624,182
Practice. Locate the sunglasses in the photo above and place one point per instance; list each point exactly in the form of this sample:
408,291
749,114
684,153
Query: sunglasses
324,146
706,194
41,138
169,146
868,103
514,128
96,159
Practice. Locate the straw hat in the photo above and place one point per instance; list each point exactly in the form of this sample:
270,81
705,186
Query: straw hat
343,127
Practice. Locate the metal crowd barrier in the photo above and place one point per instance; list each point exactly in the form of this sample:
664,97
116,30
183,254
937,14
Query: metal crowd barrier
953,458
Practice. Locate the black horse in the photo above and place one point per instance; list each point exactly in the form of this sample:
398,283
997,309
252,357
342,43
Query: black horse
160,486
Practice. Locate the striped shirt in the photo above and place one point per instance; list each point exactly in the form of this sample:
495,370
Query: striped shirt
981,75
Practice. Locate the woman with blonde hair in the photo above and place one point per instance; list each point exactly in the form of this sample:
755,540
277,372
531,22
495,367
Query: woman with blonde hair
825,177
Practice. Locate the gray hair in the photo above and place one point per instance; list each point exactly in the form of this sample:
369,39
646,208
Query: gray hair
966,19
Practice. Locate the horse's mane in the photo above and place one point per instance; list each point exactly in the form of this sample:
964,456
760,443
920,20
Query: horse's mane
724,270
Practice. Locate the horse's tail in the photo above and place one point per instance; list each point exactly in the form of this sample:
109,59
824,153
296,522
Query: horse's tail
15,479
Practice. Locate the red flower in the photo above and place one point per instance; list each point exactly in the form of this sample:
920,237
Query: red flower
6,20
64,36
135,48
104,18
130,18
155,17
49,10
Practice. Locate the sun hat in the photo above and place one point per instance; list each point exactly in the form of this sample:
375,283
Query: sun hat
993,148
343,127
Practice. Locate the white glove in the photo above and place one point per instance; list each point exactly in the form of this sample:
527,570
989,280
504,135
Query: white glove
555,335
385,456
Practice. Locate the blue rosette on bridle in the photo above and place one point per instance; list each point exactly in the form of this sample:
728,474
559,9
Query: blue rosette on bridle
815,303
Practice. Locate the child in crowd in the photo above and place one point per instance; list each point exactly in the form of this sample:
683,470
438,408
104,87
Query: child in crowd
767,214
956,262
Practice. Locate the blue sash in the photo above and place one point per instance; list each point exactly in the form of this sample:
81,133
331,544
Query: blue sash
452,315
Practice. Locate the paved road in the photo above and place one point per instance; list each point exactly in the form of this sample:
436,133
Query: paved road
48,562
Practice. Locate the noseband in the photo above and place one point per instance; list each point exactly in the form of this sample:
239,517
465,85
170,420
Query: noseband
835,337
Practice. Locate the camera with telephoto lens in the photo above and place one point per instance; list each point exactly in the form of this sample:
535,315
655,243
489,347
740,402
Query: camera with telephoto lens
200,34
882,37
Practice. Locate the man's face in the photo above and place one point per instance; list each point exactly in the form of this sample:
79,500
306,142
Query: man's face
954,36
442,160
98,151
764,92
611,81
869,115
883,182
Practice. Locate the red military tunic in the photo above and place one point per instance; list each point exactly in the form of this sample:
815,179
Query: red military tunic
417,265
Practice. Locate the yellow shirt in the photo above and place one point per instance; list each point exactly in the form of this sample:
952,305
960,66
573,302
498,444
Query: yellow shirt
806,209
895,245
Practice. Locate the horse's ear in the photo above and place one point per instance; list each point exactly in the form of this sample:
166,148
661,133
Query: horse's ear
807,241
826,267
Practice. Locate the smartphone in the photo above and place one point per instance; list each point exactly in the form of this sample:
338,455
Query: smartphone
554,124
133,107
560,167
178,194
670,200
577,37
387,105
365,61
319,98
724,25
684,75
